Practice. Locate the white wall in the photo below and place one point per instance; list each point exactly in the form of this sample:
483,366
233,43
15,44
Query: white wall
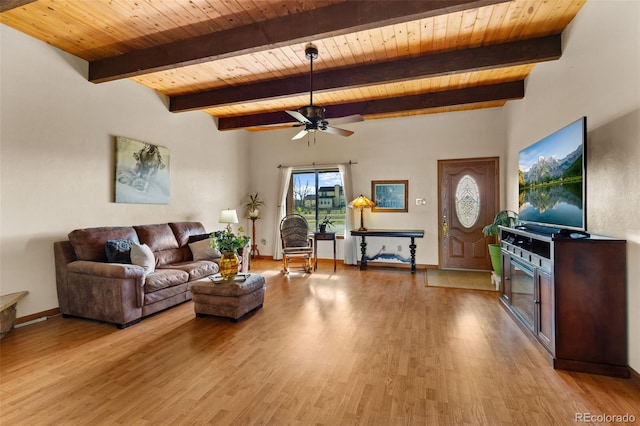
401,148
598,76
57,161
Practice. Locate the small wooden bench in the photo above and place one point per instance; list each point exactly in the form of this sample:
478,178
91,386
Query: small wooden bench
8,304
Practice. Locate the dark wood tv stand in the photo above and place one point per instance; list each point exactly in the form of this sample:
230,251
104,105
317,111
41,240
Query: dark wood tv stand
570,293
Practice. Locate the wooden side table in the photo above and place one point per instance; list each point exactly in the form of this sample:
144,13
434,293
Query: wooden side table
323,236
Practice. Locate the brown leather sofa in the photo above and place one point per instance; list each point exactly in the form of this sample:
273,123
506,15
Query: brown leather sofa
89,286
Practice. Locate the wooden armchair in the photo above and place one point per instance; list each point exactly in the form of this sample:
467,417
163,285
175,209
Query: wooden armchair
297,245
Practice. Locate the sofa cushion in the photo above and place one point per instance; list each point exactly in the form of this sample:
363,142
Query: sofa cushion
163,243
183,230
198,237
196,269
119,251
164,278
89,243
202,250
158,237
167,297
142,255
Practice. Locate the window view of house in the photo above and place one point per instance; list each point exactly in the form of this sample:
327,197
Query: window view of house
316,195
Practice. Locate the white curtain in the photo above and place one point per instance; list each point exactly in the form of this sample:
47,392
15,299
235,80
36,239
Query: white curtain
281,208
350,244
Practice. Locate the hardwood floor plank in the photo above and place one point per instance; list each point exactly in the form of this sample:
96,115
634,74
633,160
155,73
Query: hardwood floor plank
350,347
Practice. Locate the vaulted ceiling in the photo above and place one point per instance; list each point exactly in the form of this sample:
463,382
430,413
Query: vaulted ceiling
243,61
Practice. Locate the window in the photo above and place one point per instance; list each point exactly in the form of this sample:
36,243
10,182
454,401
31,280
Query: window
467,201
316,193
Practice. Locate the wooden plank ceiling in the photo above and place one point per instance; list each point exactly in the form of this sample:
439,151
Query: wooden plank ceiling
243,61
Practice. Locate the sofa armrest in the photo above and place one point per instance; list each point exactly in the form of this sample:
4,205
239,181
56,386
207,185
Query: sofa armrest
112,271
107,270
63,255
108,292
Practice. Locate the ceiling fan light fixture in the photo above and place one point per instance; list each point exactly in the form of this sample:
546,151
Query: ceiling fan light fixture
311,116
312,113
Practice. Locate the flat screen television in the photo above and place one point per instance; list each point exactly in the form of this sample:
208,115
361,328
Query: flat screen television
552,180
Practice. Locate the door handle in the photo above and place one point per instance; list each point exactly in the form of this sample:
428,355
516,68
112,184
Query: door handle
445,227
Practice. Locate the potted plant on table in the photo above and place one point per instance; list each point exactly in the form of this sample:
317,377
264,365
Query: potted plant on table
228,244
503,218
325,224
253,203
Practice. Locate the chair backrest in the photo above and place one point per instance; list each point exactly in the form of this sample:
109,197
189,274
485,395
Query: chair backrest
294,231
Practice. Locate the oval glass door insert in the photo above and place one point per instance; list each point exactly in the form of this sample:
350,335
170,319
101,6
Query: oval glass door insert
467,201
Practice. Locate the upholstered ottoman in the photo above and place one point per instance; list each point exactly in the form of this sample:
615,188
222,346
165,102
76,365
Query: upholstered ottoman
232,299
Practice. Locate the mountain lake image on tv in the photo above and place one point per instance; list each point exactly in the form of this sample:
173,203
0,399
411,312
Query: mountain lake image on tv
552,179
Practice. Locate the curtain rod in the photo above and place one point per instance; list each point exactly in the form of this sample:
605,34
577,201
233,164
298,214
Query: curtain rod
314,165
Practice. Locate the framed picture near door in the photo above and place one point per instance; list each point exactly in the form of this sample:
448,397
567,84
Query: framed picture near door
390,195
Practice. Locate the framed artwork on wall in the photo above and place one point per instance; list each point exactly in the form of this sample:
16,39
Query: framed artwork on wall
142,172
390,195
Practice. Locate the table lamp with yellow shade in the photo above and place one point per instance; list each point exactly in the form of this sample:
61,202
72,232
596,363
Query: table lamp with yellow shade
362,203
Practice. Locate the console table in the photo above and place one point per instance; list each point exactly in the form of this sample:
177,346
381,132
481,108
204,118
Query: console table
402,233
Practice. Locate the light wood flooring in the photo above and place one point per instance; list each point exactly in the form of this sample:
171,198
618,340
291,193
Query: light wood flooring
374,347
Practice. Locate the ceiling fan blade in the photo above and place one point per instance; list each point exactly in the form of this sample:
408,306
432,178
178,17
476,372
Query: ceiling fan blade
300,135
348,119
336,131
301,118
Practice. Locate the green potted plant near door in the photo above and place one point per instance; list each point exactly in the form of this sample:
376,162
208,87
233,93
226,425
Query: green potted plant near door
503,218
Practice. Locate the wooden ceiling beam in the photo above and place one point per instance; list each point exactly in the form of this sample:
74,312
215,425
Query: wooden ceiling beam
470,95
338,19
476,59
6,5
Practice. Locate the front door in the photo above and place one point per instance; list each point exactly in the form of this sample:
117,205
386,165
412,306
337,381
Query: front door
467,200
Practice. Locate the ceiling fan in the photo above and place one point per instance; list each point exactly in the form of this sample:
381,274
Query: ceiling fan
311,116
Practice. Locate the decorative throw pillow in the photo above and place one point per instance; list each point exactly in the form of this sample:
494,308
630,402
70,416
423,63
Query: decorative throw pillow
142,255
202,250
118,251
198,237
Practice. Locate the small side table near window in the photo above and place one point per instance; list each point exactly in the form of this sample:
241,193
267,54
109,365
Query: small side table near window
323,236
